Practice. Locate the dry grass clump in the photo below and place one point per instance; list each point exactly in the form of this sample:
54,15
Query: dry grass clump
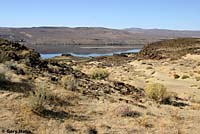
2,77
156,91
69,83
99,74
185,77
133,114
3,57
197,78
38,99
144,121
126,111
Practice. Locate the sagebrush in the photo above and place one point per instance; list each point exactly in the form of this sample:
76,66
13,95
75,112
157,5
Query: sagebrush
99,74
156,91
38,99
70,83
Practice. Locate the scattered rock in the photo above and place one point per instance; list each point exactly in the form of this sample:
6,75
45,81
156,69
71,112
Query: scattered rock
176,76
92,131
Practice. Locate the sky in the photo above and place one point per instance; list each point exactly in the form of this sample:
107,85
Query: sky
163,14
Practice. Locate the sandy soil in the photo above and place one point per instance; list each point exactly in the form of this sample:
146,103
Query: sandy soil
76,103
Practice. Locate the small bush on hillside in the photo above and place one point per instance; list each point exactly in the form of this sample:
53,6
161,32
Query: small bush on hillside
156,91
38,99
3,57
185,77
69,83
2,77
176,76
99,74
197,78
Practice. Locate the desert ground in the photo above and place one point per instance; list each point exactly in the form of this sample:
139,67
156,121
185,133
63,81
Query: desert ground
154,92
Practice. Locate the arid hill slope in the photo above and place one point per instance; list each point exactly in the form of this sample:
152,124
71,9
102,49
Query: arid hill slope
98,95
64,35
164,33
90,35
174,48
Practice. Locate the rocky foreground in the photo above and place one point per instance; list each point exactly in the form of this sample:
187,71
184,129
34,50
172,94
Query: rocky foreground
155,91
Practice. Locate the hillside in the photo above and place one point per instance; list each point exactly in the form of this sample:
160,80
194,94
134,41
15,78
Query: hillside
101,95
163,33
173,49
80,39
90,35
80,35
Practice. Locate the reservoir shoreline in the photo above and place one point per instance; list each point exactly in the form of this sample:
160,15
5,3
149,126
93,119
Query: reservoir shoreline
86,55
82,49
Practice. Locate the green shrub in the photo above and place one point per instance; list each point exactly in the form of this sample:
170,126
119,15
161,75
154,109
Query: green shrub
38,99
156,91
99,74
69,83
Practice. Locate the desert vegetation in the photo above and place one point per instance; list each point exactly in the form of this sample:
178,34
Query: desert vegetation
2,56
2,77
156,91
101,95
38,99
70,83
99,74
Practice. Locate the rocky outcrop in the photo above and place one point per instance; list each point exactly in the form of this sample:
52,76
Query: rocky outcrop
17,52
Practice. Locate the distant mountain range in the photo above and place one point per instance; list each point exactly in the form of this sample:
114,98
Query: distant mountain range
90,35
164,33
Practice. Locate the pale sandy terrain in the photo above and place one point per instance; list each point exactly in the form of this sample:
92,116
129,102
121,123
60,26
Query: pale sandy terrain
139,73
71,100
104,113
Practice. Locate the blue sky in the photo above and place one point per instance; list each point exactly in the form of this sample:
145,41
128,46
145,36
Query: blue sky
166,14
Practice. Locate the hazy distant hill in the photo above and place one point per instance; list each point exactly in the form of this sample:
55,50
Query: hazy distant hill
90,35
163,33
64,35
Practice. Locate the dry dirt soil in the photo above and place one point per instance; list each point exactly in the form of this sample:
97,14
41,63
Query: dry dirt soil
64,95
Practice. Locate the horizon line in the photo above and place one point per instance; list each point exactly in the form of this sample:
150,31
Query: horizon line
57,26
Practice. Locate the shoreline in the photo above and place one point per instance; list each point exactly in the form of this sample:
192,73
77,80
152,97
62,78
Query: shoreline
87,55
82,49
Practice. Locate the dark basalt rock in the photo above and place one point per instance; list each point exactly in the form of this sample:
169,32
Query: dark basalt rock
19,52
67,55
43,64
13,56
79,74
18,71
54,78
89,87
127,89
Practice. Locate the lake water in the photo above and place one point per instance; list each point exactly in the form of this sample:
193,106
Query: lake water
47,56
